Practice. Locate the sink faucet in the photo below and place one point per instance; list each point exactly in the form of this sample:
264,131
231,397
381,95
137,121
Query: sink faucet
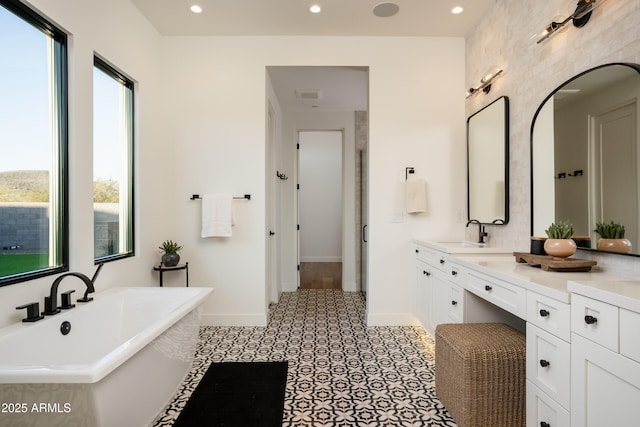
51,302
481,231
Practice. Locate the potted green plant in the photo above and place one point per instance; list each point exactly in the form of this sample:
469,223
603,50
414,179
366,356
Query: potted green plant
170,249
612,237
559,243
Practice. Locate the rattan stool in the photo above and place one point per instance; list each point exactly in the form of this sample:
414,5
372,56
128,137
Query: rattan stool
480,374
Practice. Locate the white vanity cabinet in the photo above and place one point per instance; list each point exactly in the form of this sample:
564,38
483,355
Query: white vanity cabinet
605,364
426,274
439,295
583,330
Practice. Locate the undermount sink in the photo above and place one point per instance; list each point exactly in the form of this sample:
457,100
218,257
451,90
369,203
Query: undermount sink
466,247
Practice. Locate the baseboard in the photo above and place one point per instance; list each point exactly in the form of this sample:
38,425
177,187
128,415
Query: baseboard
392,319
349,286
234,320
289,286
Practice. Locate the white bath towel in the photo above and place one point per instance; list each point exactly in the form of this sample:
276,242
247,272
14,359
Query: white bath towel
415,195
217,215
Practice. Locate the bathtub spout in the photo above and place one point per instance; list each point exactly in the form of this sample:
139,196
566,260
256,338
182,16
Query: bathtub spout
51,302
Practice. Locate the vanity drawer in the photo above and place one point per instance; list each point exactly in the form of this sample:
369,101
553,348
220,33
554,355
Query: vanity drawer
595,320
548,364
629,333
433,258
457,273
544,411
509,297
456,303
550,315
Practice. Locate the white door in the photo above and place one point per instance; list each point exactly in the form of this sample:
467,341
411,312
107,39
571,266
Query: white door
605,386
320,203
614,186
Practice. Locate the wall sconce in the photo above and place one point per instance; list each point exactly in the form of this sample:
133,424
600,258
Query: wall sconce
579,17
485,82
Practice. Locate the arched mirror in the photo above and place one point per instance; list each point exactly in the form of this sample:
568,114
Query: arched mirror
488,163
585,155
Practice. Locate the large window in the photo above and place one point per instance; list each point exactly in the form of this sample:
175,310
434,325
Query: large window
33,143
112,162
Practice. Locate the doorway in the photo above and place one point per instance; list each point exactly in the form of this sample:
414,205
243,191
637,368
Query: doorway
320,208
316,98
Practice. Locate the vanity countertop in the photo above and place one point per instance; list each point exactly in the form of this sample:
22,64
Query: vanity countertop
501,264
462,247
624,293
548,283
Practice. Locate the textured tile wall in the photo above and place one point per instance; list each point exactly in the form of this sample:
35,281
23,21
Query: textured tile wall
531,72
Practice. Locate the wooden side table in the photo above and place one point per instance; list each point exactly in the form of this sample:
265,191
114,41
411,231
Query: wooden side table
161,268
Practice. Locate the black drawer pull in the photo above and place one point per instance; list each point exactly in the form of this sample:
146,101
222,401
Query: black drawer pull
454,273
544,313
544,363
417,251
441,261
454,302
544,424
590,320
426,273
487,288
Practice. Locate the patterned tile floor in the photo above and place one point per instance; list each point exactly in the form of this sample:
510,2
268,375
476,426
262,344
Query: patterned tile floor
341,372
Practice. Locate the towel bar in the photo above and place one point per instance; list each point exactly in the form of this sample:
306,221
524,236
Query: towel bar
246,196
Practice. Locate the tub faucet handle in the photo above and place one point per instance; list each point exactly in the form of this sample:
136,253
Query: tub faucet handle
50,306
66,300
33,312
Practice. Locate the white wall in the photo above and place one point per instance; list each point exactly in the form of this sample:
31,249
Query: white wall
201,128
117,32
531,72
217,90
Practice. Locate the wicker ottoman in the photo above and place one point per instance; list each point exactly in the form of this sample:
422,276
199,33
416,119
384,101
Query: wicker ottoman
480,374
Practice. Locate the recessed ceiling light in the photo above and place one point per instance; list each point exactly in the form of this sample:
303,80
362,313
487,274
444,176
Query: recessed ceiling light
315,9
385,10
196,9
456,10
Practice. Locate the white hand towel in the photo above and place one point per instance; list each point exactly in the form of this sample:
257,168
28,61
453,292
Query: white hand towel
415,195
217,217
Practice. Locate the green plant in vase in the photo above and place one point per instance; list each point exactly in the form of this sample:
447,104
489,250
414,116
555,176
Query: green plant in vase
612,237
559,244
170,249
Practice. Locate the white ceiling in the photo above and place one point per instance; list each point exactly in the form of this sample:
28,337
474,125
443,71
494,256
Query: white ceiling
342,88
292,17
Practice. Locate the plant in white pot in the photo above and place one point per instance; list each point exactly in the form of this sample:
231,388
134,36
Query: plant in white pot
612,237
560,244
170,249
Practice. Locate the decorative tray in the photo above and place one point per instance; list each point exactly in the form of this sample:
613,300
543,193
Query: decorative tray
549,263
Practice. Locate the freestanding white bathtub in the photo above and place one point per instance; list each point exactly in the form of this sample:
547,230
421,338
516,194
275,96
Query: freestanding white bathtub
125,355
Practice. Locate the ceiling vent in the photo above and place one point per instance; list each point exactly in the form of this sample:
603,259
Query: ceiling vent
308,94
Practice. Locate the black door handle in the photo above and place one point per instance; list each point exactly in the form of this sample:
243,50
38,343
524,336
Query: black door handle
364,234
271,233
